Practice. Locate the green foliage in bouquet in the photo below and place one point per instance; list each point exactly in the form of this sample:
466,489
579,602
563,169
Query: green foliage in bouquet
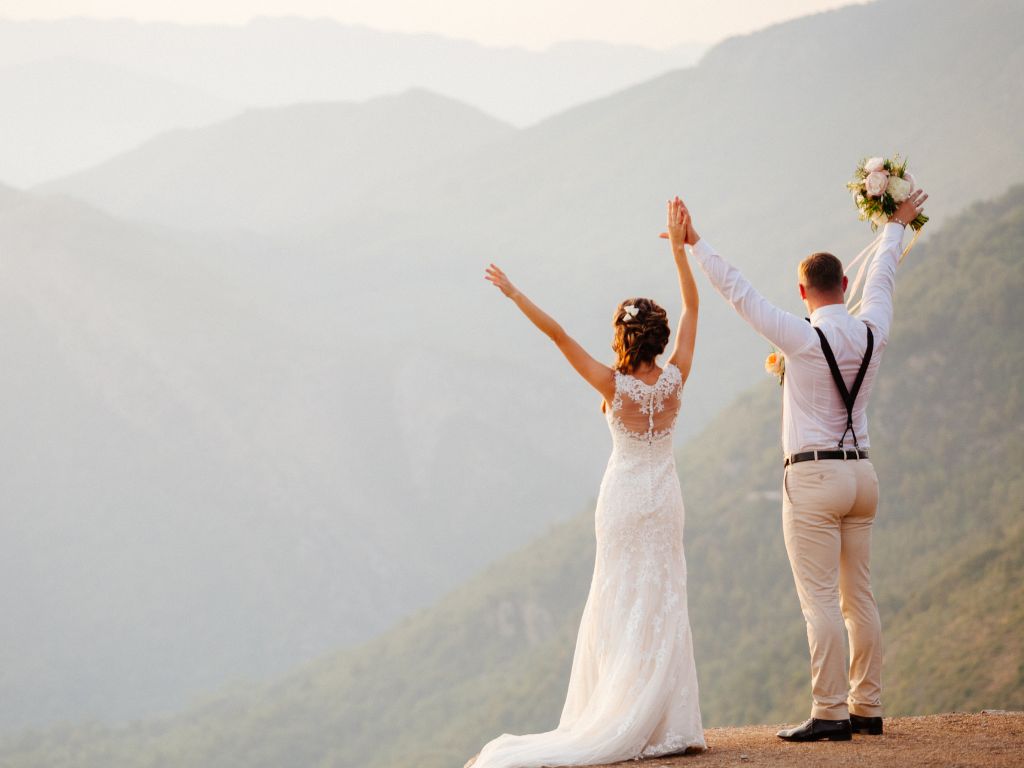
879,208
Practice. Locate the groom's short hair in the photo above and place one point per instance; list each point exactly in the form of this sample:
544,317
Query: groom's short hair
822,271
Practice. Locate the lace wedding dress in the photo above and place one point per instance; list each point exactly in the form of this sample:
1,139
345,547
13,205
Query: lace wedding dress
633,685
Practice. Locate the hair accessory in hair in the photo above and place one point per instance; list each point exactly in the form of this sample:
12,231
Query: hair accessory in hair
630,310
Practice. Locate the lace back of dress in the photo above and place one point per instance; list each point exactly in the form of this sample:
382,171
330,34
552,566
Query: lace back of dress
647,411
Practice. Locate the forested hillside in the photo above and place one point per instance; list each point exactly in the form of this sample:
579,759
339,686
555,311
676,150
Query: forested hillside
493,656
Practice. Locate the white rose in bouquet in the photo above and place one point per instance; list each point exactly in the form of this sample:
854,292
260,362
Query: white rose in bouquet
900,189
875,183
875,164
913,184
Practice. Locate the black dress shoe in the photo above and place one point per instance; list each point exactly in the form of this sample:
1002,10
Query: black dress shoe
818,730
869,725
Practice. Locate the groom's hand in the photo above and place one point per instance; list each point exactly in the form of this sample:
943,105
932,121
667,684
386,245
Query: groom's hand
691,234
910,208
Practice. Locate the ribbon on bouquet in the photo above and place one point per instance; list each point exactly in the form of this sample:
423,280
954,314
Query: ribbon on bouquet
862,261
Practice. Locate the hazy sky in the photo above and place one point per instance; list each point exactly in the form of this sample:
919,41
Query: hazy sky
533,23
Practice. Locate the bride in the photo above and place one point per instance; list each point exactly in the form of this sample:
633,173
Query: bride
633,685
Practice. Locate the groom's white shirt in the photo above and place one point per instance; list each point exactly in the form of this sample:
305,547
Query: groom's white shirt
813,414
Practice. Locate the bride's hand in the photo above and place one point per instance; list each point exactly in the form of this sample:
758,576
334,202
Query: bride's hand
675,224
680,227
498,278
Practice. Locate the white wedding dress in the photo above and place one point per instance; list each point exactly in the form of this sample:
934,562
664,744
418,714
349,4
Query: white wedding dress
633,686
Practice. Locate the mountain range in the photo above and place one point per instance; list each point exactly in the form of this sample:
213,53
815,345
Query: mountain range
290,168
264,406
78,91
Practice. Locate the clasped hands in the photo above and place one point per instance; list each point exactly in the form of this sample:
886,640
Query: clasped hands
679,226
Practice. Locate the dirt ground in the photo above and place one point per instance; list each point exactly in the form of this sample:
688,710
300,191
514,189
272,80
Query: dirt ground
991,738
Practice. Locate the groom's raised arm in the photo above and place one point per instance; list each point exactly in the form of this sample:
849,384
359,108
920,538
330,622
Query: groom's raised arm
785,330
877,305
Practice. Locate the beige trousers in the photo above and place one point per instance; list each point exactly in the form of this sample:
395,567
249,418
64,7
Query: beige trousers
827,511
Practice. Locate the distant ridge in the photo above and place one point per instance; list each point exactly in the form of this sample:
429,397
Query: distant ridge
66,113
284,60
276,169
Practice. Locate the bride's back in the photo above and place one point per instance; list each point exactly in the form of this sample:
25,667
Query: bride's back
643,411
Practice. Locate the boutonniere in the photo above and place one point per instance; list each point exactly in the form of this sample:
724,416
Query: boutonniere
775,364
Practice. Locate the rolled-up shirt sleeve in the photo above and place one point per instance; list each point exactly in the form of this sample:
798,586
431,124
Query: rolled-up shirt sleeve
876,308
783,329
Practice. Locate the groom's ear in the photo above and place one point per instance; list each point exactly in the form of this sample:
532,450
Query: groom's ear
803,290
846,282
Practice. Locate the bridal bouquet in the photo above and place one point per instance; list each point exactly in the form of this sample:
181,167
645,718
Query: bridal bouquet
879,185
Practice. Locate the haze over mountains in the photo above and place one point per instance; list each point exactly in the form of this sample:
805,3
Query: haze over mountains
63,114
204,485
313,161
84,90
267,405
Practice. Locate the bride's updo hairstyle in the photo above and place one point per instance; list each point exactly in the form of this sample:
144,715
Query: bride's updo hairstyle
641,333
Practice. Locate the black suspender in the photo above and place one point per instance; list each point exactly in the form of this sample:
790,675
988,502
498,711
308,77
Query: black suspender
849,396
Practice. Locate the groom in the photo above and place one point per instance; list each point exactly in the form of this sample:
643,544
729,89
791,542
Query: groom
830,490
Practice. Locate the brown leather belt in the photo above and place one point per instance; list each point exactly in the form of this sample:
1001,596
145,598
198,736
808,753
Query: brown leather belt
850,454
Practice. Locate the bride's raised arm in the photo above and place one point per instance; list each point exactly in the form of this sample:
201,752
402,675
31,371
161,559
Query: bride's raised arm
680,233
599,376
